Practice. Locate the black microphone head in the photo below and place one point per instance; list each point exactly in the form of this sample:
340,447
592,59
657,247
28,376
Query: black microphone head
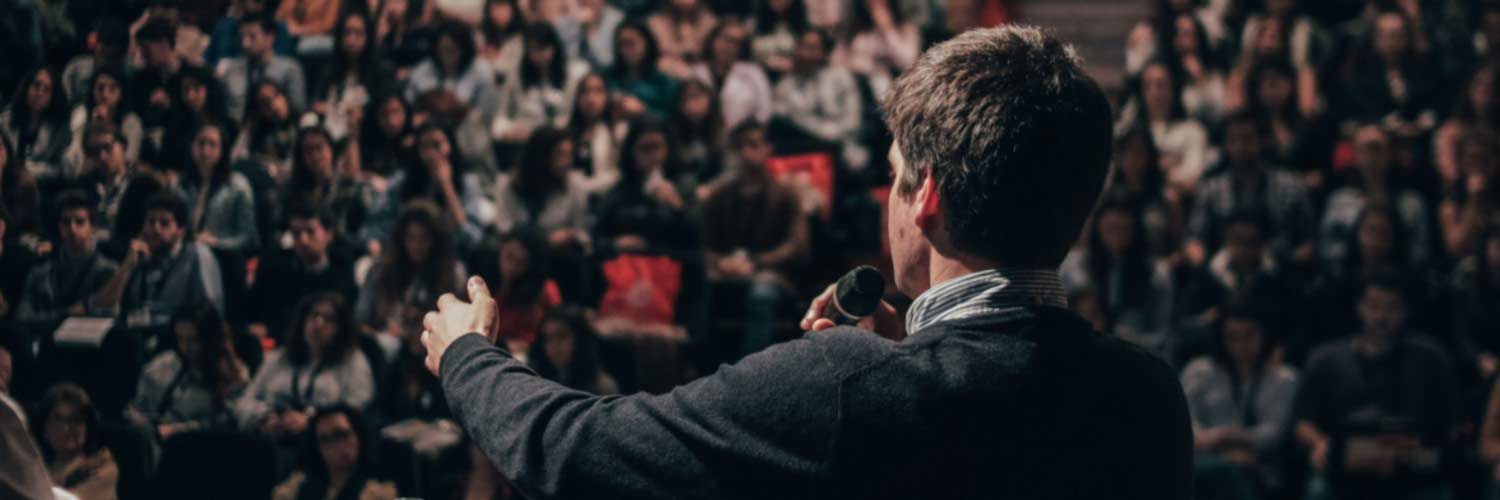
859,291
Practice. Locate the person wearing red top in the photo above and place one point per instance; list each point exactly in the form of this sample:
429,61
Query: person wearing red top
524,292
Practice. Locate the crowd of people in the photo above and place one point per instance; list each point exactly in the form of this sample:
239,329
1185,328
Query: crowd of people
264,197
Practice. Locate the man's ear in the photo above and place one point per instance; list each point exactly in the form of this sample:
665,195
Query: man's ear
929,199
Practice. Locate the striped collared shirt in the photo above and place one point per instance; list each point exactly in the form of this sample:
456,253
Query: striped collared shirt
985,293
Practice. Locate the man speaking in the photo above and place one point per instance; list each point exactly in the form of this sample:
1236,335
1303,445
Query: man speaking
1001,150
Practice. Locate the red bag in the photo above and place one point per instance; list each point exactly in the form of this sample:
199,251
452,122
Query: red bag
642,288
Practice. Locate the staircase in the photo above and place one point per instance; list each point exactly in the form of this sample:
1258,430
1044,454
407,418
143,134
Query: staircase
1096,28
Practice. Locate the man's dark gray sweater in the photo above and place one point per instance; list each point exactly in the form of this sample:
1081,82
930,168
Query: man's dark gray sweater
1035,405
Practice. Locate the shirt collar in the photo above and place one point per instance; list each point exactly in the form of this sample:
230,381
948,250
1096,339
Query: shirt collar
982,293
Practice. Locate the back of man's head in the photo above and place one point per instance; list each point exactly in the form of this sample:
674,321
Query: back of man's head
1015,135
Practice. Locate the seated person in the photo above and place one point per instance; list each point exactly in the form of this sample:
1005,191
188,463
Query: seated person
1135,287
820,101
189,387
67,431
320,365
69,283
1240,399
335,460
1376,410
417,266
646,209
163,271
223,201
567,352
260,63
287,275
1248,183
754,231
522,289
1244,271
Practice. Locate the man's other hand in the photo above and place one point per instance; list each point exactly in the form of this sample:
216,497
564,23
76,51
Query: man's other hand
455,318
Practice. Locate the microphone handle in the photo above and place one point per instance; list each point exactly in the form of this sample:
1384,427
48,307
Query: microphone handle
836,313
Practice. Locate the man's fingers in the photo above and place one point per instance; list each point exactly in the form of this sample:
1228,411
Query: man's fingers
822,324
477,289
815,310
430,321
447,301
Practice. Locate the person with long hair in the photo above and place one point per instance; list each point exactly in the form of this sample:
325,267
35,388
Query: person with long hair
1145,40
1141,183
198,98
1271,90
385,140
744,91
335,460
415,267
878,43
1478,107
316,182
588,32
356,73
697,129
540,94
453,65
680,28
1308,45
649,208
500,40
320,364
1154,101
67,432
1388,79
543,192
1373,182
1240,398
36,124
567,352
596,130
105,103
1471,203
774,33
518,267
1117,263
20,196
437,175
193,386
267,136
223,205
642,87
1202,71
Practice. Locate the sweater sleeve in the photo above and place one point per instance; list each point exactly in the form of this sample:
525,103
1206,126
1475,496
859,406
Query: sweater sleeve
766,422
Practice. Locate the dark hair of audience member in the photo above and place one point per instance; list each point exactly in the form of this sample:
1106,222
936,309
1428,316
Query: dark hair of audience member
1396,242
365,64
526,287
1135,261
581,120
172,203
494,33
535,177
1264,70
90,100
463,37
1147,167
306,182
1166,39
24,119
630,168
213,102
377,133
647,64
299,353
216,361
766,19
1463,106
310,454
584,367
685,128
1219,353
419,180
69,395
1136,89
157,30
400,268
982,133
536,36
862,21
221,171
1366,56
257,114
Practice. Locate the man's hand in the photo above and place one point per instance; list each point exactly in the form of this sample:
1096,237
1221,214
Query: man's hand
455,318
884,321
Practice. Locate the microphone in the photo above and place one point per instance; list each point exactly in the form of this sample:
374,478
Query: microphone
856,296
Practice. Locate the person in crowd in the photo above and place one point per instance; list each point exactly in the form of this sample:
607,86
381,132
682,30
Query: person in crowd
417,267
1377,245
1472,203
821,101
1248,183
68,283
104,104
641,88
408,390
879,43
1308,45
118,189
309,18
1388,80
1202,71
754,231
525,294
596,130
164,270
198,98
225,41
36,123
775,28
1479,107
311,265
588,32
1134,286
1476,289
500,41
1141,183
386,138
242,75
651,207
697,130
20,194
150,88
1155,102
543,192
67,432
567,352
1146,39
192,386
1240,397
438,176
267,135
1295,137
335,460
316,182
1244,271
1373,182
1375,411
223,205
541,92
453,65
680,29
744,92
111,39
319,365
355,74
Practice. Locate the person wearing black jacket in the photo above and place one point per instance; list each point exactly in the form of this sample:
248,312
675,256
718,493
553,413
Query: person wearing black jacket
998,391
286,276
